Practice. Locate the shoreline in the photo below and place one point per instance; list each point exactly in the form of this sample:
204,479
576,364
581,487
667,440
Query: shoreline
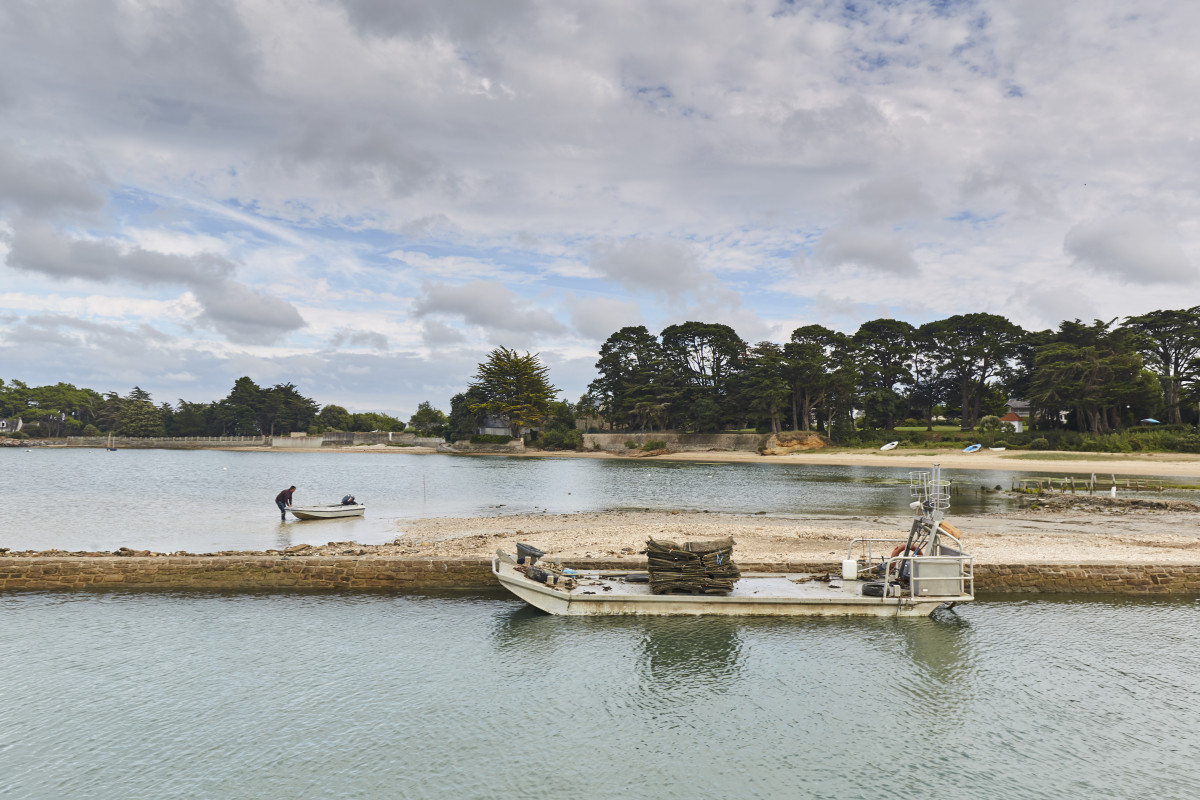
1115,551
1121,534
1043,462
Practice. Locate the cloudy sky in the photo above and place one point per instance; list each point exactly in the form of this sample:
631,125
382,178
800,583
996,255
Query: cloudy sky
364,197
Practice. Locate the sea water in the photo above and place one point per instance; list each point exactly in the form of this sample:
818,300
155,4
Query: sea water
204,501
157,696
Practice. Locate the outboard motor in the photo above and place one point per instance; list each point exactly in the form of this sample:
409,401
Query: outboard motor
528,551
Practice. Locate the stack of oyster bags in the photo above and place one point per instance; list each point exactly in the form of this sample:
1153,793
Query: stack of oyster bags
691,567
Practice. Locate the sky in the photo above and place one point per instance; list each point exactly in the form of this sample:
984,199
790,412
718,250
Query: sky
365,197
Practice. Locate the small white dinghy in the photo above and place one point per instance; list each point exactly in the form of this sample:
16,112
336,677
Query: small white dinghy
889,446
328,512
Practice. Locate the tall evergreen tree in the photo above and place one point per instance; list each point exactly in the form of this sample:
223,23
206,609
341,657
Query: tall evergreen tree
515,388
1169,341
973,350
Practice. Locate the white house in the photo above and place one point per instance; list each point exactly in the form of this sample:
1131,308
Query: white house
1012,419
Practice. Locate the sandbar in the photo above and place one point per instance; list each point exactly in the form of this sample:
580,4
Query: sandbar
1022,537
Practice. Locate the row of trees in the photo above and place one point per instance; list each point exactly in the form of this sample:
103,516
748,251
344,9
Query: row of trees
248,410
699,376
1096,377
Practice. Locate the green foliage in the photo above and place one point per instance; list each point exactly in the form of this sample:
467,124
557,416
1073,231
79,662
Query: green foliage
560,439
1169,342
514,388
427,419
1040,443
464,423
18,435
90,430
634,388
654,444
704,360
630,444
970,351
335,418
1094,372
883,352
139,416
490,438
374,421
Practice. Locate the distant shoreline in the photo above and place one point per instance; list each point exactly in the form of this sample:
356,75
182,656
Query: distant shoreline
1030,461
1043,462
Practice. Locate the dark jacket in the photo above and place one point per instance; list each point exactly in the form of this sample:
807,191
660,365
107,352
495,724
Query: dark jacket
285,496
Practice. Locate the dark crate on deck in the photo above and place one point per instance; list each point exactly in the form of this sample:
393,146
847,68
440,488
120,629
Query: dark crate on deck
704,567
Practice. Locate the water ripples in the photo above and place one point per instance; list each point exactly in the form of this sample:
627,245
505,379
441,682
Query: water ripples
162,696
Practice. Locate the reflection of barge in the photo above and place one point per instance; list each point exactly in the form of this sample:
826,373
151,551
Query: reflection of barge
924,571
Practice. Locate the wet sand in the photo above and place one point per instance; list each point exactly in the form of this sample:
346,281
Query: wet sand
1024,537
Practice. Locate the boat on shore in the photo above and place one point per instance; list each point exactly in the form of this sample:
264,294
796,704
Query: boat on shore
907,577
328,512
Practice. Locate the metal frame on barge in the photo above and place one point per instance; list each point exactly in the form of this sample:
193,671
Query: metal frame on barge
924,571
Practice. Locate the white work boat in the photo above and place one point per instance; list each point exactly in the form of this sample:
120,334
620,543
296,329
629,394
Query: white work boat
328,512
925,571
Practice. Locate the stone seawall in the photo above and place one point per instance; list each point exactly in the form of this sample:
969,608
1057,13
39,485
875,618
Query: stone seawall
348,573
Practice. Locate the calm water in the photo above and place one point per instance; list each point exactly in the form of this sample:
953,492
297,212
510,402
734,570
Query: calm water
200,501
373,696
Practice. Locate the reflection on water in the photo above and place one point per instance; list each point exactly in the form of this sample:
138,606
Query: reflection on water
936,645
690,654
372,696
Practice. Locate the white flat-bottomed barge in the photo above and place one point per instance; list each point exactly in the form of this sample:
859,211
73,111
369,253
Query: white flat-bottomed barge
600,593
907,577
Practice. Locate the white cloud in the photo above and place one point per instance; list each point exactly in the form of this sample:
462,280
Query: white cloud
666,268
1131,247
864,247
228,173
488,305
596,318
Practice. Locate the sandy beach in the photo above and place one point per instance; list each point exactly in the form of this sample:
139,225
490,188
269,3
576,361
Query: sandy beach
1126,535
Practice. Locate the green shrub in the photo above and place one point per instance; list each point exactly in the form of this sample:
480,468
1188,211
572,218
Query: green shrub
1041,443
654,444
1188,443
562,440
631,444
490,438
91,430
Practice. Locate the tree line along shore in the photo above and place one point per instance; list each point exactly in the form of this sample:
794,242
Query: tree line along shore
1117,386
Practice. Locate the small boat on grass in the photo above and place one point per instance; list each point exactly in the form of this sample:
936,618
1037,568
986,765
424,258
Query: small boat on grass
972,448
328,512
890,446
923,572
